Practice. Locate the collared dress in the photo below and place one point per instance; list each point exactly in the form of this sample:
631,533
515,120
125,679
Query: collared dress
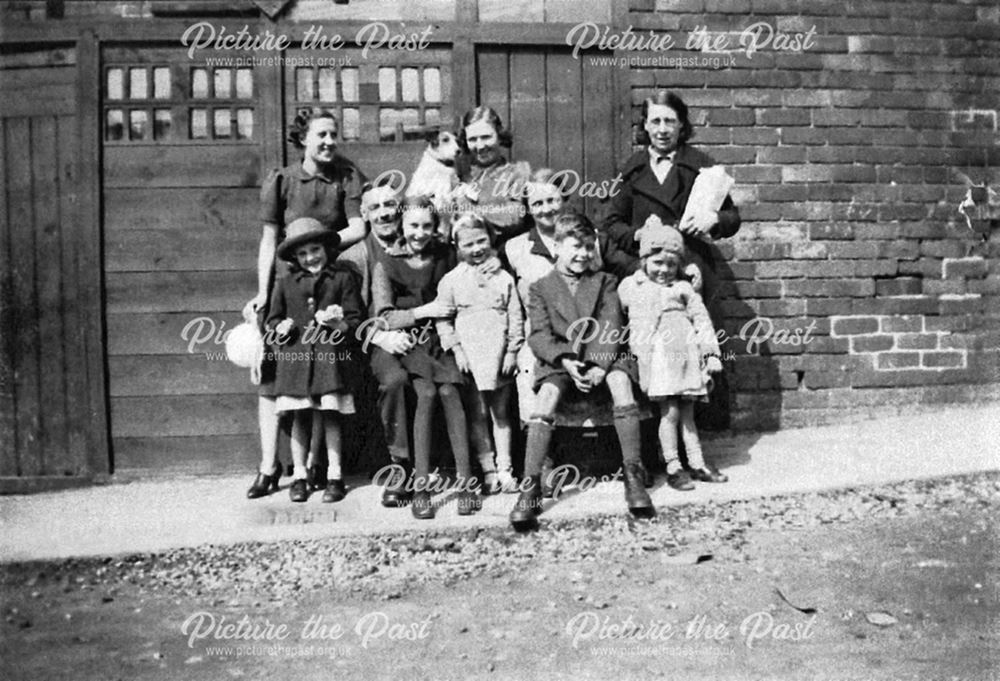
315,369
669,332
488,322
289,193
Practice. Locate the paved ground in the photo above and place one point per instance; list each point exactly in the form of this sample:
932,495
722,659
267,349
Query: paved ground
157,515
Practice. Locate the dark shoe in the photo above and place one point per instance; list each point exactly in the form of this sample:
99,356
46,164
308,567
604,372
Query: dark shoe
468,502
299,491
422,507
524,515
264,485
395,494
316,477
708,474
335,491
636,497
680,481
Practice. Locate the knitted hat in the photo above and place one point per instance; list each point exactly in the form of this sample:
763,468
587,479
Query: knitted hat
656,236
302,231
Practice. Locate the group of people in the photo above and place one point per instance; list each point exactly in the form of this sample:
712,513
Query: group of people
449,303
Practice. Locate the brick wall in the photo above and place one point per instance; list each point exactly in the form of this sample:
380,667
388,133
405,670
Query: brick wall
849,158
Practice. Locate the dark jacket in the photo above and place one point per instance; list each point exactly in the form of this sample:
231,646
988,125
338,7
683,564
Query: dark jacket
553,310
300,373
642,195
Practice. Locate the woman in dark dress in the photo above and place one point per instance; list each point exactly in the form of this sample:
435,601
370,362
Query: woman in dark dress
324,186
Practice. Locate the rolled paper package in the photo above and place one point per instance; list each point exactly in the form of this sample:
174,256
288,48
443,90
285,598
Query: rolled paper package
710,189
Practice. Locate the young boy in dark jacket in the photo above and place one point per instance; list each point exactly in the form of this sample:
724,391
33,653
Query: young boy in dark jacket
576,335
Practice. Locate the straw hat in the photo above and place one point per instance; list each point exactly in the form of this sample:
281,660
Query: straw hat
302,231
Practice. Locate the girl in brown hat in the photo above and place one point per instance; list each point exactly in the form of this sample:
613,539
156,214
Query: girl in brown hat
314,313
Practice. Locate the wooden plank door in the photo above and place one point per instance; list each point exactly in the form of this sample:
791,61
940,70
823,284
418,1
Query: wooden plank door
560,109
181,157
45,395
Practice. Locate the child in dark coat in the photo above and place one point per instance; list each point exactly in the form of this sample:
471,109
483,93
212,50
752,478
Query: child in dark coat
314,312
576,331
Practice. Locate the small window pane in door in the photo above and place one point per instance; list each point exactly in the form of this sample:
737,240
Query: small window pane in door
304,85
411,85
221,123
199,83
351,130
138,124
349,84
162,122
199,124
432,85
244,124
114,125
387,84
244,83
223,83
161,83
327,85
138,87
116,89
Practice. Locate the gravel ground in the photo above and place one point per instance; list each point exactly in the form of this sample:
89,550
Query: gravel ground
387,566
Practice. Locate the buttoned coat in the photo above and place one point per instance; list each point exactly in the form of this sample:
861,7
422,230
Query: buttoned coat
300,373
642,195
563,324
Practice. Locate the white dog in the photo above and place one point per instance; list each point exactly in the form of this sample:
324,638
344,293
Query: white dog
436,175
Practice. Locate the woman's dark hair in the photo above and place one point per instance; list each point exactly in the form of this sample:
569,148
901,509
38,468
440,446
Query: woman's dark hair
666,98
420,202
300,124
484,113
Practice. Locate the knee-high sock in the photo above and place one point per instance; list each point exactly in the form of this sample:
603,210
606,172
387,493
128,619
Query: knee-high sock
627,427
540,431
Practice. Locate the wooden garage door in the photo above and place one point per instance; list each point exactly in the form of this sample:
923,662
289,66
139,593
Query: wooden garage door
47,306
560,109
181,147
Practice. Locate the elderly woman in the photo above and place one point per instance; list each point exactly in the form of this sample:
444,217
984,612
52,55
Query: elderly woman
494,187
324,186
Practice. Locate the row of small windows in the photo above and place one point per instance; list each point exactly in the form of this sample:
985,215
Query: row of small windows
146,103
134,124
394,85
134,83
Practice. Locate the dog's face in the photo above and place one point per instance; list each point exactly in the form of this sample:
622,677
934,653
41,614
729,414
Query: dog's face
443,147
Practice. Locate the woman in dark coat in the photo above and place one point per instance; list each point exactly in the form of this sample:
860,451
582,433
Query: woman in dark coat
658,181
